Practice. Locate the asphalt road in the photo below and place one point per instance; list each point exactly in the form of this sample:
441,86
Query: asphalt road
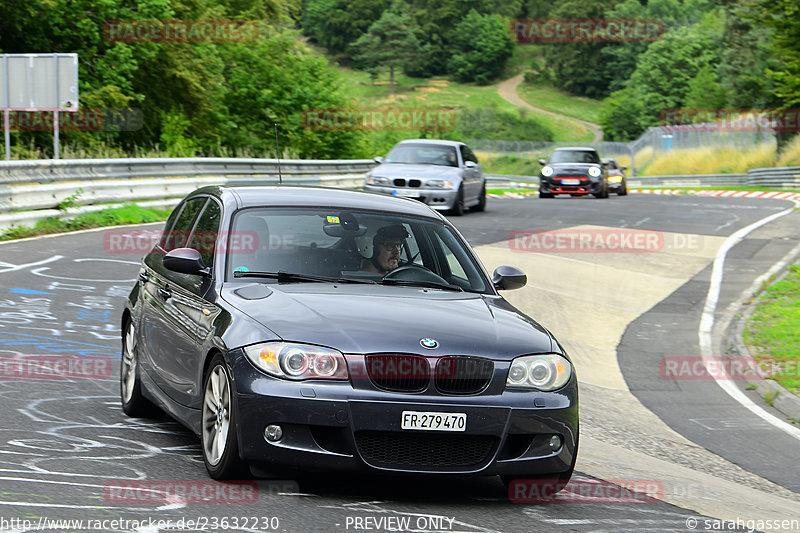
68,452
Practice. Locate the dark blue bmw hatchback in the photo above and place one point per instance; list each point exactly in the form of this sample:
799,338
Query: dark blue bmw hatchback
331,329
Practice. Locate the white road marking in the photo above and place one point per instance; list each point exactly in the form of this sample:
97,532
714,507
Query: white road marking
707,325
11,268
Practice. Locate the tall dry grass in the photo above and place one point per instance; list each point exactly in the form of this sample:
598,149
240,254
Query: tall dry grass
790,155
719,160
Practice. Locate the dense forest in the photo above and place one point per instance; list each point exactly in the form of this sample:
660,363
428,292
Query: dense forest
224,98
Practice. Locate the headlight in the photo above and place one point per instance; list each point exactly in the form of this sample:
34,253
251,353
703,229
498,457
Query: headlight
594,171
297,361
439,184
547,171
541,372
376,180
614,179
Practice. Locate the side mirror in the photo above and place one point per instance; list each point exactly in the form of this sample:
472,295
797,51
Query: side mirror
470,164
186,261
542,162
623,168
378,159
507,278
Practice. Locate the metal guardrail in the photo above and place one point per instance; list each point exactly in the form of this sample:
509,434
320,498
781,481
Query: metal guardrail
781,178
33,190
690,180
47,171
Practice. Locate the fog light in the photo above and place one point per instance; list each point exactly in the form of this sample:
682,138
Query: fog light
274,433
555,442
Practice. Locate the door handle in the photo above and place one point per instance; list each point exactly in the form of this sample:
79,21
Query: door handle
165,292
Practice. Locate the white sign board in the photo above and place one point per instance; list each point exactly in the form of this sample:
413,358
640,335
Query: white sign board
39,82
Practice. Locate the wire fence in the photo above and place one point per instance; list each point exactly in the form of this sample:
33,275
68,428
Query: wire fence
642,151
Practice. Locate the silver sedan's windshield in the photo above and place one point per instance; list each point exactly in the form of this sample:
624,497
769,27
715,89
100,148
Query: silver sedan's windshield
335,244
423,154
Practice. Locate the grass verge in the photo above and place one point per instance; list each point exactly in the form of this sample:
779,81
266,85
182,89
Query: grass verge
129,214
772,333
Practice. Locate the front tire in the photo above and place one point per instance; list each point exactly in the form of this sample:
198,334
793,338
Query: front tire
218,438
458,206
134,403
481,201
623,190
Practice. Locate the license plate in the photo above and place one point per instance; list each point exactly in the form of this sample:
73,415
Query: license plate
433,421
405,193
570,182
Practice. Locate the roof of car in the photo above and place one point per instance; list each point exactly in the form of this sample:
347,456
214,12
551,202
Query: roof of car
585,148
287,195
431,141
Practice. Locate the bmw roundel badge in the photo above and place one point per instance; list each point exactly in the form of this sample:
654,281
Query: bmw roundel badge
428,343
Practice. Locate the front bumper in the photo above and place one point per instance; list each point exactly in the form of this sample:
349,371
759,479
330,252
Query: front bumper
444,199
566,185
342,426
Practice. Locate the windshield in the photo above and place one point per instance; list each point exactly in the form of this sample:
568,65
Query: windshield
574,156
335,244
423,154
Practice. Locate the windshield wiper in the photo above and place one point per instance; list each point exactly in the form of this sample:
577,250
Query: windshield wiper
419,283
288,277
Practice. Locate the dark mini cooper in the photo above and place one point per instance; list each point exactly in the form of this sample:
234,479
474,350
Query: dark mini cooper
332,329
574,171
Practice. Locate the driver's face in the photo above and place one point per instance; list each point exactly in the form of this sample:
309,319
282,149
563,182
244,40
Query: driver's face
389,255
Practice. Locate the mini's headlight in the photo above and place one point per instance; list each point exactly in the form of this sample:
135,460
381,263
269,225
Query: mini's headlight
615,179
594,171
545,372
297,361
547,171
377,180
439,184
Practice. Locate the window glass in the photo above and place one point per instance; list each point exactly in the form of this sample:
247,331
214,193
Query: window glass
179,234
352,244
467,154
168,226
574,156
206,231
423,154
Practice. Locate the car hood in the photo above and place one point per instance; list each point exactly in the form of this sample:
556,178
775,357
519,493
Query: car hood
399,170
371,319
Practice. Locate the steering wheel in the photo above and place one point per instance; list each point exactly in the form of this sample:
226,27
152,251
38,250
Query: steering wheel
415,273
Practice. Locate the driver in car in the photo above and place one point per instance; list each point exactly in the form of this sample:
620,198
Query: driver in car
386,248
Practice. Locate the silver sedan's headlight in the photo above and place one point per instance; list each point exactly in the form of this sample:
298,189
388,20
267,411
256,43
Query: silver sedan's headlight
439,184
377,180
297,361
547,171
545,372
594,171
